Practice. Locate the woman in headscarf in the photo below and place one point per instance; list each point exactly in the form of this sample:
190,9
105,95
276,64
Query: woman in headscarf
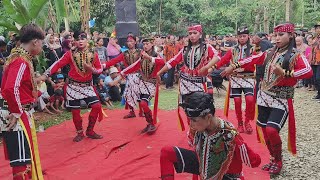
52,49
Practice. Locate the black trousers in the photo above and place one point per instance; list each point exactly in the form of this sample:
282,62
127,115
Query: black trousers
114,93
170,78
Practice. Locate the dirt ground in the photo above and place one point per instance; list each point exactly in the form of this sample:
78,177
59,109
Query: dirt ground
307,112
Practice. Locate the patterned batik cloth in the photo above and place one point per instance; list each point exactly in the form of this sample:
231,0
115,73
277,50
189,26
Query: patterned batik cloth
238,82
76,92
267,100
147,88
131,92
187,87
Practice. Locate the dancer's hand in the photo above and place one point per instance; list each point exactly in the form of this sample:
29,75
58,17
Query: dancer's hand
277,69
87,67
210,70
41,78
227,71
158,77
203,71
12,122
146,55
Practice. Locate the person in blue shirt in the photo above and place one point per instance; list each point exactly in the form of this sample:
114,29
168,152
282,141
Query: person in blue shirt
113,87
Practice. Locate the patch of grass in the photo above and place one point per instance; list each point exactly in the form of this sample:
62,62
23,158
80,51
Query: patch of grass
168,100
54,120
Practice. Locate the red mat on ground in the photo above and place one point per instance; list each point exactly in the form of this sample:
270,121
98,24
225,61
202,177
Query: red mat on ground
122,154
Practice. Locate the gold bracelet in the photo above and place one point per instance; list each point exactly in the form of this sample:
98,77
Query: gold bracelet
291,73
237,64
284,72
233,66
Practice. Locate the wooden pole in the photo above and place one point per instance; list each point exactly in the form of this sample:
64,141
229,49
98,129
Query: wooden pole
66,19
287,10
236,17
160,8
85,15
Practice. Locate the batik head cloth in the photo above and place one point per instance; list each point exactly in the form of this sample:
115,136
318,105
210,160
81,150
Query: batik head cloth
243,30
195,28
131,38
198,104
286,27
317,25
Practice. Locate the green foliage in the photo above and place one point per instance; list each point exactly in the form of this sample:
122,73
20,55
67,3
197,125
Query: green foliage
104,14
20,12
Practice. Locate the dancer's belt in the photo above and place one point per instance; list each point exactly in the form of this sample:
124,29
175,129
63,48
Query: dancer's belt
244,75
196,79
232,176
3,104
81,84
25,107
282,92
150,80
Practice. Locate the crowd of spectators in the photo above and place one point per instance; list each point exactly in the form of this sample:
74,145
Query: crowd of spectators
51,94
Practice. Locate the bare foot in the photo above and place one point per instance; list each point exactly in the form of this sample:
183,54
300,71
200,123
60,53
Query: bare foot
48,111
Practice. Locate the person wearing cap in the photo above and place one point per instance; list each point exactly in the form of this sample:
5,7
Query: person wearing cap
111,85
83,62
57,99
197,58
284,65
315,61
19,90
148,66
11,43
241,81
227,150
261,40
131,92
227,44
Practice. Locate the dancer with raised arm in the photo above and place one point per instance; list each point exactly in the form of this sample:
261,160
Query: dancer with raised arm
84,62
131,92
241,81
197,59
284,65
148,66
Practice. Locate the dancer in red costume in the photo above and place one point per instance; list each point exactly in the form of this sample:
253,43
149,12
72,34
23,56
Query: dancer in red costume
131,92
148,65
283,66
19,90
197,58
83,63
242,80
219,150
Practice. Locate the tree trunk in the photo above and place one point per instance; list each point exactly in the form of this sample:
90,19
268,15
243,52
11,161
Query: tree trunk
265,20
288,10
257,21
66,19
84,15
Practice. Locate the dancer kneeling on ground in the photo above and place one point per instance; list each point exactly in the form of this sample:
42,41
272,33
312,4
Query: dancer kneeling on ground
227,148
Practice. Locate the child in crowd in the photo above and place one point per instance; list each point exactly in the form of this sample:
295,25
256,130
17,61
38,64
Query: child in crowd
103,94
43,98
57,99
